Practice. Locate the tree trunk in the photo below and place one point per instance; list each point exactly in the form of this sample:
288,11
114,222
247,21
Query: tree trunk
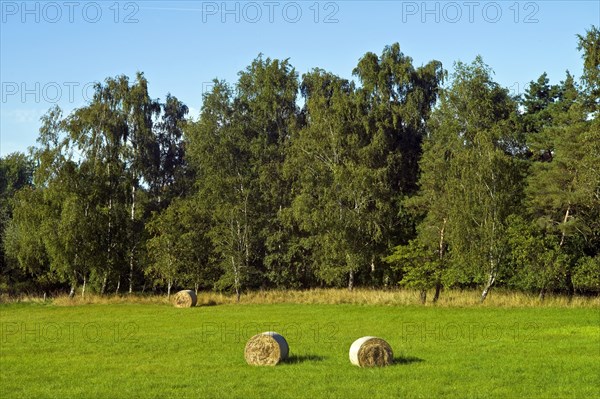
118,286
566,218
83,287
542,295
73,285
570,287
423,296
131,272
438,284
441,244
488,287
351,280
236,278
196,286
104,281
131,254
438,289
169,285
568,276
108,250
109,227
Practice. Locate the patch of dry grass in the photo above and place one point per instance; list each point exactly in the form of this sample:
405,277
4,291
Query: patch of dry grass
448,298
90,299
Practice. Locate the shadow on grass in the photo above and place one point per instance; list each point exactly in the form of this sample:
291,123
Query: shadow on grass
208,303
398,360
295,359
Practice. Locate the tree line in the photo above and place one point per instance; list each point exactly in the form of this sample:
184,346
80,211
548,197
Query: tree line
407,175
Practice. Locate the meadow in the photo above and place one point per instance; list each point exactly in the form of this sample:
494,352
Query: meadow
149,349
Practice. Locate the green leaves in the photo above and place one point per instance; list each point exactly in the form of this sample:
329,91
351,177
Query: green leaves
179,247
469,185
463,185
590,44
356,157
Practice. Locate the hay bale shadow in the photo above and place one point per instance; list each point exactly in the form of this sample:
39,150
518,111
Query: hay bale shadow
295,359
398,360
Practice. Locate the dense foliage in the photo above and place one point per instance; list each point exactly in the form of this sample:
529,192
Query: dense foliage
399,177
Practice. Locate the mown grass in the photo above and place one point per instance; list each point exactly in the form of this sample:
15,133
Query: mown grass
147,350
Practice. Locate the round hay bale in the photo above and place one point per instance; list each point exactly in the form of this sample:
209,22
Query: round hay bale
371,352
266,349
185,299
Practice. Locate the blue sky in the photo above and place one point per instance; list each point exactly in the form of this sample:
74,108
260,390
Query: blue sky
51,52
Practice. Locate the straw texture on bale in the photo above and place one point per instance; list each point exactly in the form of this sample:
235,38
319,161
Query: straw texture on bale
266,349
371,352
185,299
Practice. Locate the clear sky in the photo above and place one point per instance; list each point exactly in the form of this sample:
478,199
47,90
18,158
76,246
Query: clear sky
52,52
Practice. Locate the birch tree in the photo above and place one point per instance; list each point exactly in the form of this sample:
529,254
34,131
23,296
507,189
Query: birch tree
483,178
219,151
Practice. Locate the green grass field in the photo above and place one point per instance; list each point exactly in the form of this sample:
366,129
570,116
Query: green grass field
157,351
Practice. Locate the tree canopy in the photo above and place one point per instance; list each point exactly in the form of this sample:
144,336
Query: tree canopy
407,176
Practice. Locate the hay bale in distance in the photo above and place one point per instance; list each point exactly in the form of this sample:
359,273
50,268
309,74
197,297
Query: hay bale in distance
371,352
266,349
185,299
